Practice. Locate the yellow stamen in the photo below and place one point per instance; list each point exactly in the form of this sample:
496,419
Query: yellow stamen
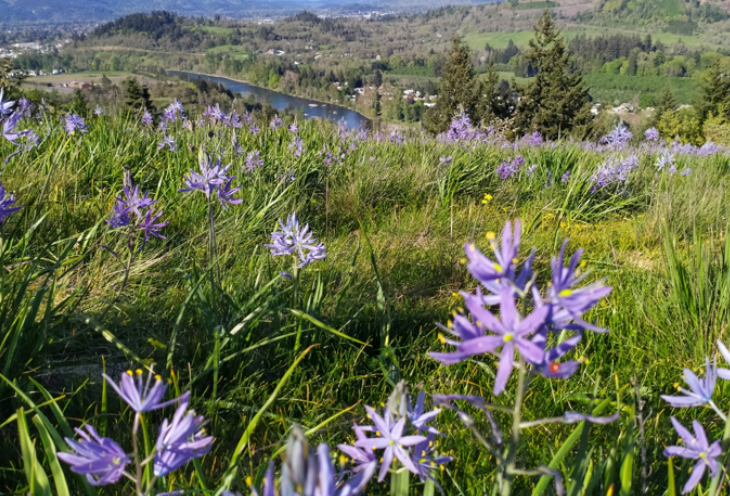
158,378
491,235
129,372
498,267
508,338
565,292
138,371
442,339
249,481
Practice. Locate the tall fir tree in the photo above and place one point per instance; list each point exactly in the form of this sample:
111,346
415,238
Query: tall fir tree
456,90
715,94
556,102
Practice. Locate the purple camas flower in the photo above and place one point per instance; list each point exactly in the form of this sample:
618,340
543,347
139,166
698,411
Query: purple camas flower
567,301
364,459
6,106
535,139
24,140
418,416
531,170
389,437
501,273
510,332
618,138
426,460
686,172
142,395
119,216
150,227
254,129
700,391
651,134
665,161
6,204
297,146
614,171
100,459
168,142
74,123
696,447
508,169
132,202
225,194
294,128
147,118
549,366
710,148
98,111
253,160
25,107
209,179
275,123
296,241
311,473
180,440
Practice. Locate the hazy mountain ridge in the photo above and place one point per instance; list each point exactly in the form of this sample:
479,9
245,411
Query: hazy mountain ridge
74,11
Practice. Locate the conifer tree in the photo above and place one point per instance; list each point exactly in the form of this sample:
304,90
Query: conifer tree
492,99
137,97
456,91
715,94
556,102
665,103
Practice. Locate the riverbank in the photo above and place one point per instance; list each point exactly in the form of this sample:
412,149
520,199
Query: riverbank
281,101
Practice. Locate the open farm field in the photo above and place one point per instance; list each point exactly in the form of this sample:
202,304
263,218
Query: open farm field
176,245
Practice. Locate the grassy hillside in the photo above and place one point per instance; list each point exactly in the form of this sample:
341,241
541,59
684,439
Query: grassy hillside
226,323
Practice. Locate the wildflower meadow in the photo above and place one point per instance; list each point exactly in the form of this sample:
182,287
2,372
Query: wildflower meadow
198,302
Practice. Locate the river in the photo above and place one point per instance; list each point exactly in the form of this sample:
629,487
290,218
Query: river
280,101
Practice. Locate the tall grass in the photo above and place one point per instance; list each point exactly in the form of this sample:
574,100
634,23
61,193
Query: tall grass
394,220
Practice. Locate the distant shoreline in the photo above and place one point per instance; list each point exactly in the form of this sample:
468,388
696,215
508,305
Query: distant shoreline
318,102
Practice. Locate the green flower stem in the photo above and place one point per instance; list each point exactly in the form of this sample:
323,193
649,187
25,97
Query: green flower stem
508,471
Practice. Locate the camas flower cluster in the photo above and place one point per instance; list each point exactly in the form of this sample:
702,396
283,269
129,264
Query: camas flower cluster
135,212
299,242
9,118
696,446
180,439
399,438
510,168
560,307
213,179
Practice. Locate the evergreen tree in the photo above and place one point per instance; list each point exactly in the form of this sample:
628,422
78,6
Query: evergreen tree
665,103
493,99
456,91
556,102
715,94
79,105
378,80
137,97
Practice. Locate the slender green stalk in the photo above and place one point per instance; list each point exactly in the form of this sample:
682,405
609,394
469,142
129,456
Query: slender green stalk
135,450
508,471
